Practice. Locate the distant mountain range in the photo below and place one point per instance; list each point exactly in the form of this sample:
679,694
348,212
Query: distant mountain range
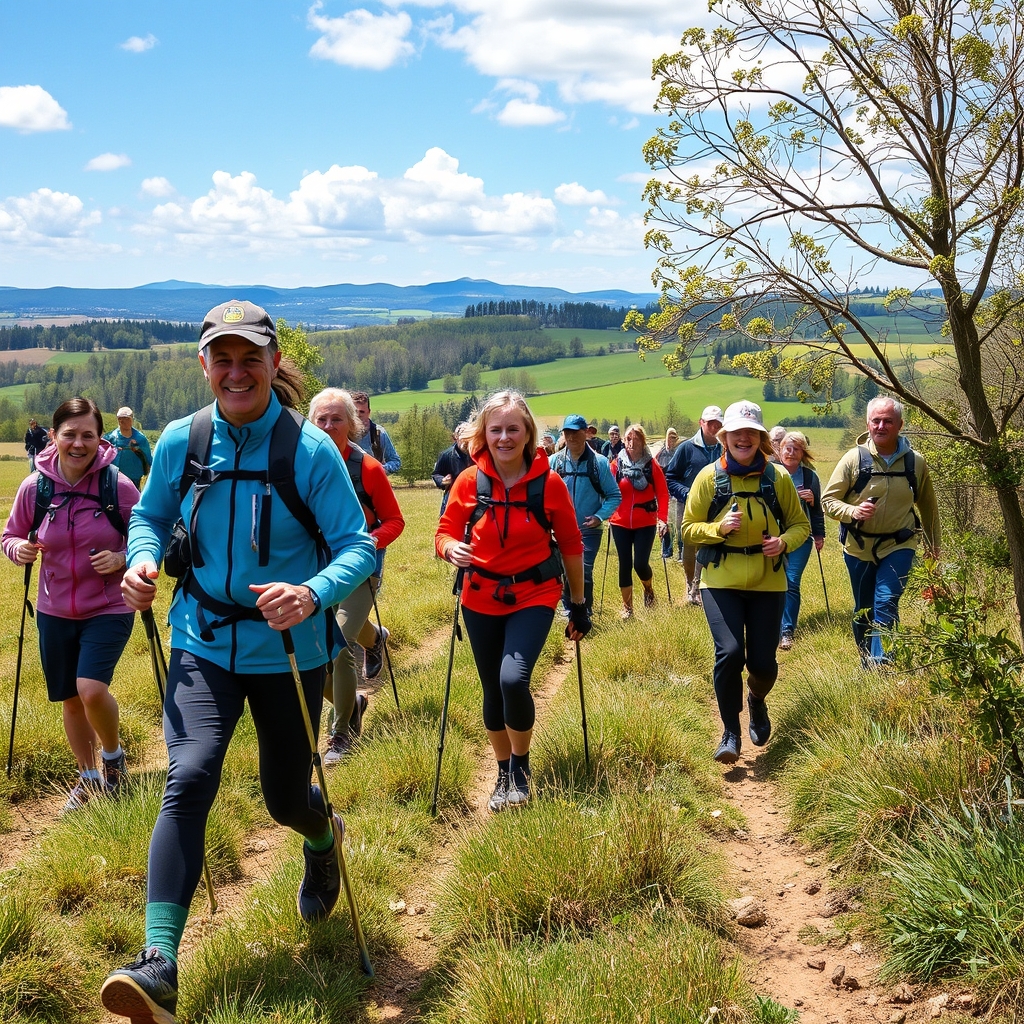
337,305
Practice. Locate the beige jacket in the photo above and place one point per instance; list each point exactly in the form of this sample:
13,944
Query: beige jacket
894,509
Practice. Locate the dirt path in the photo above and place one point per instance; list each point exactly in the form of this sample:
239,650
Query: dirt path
394,996
828,977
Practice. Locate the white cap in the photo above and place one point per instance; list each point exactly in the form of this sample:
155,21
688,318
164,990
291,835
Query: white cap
123,412
742,415
712,412
615,427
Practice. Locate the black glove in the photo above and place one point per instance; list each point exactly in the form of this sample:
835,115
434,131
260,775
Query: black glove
579,619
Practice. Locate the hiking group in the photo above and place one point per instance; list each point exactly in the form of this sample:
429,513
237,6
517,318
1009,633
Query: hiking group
276,528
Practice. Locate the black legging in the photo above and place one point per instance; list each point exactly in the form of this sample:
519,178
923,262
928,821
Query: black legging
202,708
731,614
634,550
506,647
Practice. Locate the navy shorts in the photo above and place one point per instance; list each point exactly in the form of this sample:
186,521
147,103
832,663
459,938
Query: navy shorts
73,649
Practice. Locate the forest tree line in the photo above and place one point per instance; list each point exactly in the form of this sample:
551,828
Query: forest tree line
580,315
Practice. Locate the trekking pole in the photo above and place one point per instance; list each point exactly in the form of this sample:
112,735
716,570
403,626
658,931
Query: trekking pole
583,704
456,631
668,586
828,611
604,578
159,664
357,928
384,640
26,606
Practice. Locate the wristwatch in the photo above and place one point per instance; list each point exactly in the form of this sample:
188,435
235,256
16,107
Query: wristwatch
316,600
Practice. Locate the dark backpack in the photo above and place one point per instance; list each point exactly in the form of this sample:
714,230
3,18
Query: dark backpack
650,505
376,445
354,465
866,470
712,554
106,500
549,569
181,553
560,462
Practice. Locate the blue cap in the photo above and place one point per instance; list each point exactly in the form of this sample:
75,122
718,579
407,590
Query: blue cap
574,422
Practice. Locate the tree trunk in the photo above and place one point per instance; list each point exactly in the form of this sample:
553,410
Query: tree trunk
1013,520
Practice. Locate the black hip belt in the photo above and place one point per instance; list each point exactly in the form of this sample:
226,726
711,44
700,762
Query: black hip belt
227,614
712,554
549,569
859,535
647,506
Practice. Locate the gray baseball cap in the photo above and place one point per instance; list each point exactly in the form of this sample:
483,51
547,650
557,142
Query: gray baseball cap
242,320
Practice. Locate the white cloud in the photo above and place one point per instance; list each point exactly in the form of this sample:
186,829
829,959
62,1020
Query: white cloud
158,188
139,44
594,51
30,108
360,39
108,162
519,114
575,194
611,235
346,207
521,88
44,218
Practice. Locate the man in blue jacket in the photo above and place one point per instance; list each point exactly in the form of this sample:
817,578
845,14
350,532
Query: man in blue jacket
256,570
595,495
689,459
374,440
134,456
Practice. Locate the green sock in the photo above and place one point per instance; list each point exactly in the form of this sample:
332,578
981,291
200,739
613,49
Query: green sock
324,843
165,923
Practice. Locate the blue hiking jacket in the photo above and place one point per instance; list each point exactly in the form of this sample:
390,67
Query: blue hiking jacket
391,461
585,500
226,526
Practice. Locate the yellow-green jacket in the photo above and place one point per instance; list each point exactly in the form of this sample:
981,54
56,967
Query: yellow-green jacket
737,571
894,509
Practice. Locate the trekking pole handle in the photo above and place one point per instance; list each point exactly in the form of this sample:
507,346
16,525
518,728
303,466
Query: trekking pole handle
289,644
32,535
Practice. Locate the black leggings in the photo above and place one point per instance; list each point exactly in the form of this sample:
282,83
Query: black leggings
634,550
506,647
730,614
203,705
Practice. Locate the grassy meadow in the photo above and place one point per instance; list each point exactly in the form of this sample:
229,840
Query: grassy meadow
619,862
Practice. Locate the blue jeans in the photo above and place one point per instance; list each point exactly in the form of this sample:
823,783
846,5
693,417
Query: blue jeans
795,565
877,590
591,548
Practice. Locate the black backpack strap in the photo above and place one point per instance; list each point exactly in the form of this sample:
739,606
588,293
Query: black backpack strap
770,496
284,442
866,470
197,454
108,498
44,497
534,503
376,445
723,492
354,465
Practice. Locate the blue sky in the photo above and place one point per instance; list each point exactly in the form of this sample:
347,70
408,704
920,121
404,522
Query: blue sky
293,143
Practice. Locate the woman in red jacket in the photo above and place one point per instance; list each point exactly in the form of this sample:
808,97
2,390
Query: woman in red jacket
497,528
642,512
334,412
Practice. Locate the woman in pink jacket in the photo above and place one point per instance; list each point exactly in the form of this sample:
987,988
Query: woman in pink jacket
82,619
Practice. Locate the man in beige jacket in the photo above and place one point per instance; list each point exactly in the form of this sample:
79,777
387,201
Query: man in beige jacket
881,492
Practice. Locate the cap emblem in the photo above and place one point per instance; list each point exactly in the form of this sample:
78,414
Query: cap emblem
233,314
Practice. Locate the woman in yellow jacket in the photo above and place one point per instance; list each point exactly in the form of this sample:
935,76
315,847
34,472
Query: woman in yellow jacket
743,514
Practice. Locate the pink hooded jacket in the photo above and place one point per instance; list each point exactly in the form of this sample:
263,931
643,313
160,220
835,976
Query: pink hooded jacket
69,587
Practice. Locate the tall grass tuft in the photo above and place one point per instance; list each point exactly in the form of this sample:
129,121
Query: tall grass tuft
668,972
560,865
958,901
40,977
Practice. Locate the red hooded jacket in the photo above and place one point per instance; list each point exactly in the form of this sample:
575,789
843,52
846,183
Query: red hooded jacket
507,539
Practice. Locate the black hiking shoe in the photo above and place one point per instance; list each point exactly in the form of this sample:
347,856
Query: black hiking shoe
321,882
728,751
355,723
145,990
115,773
373,658
499,798
760,725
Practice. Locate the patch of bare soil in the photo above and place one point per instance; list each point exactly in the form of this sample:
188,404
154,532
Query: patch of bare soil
30,819
785,921
400,977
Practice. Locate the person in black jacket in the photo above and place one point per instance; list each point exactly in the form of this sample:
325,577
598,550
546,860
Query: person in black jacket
798,461
451,462
36,439
688,460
